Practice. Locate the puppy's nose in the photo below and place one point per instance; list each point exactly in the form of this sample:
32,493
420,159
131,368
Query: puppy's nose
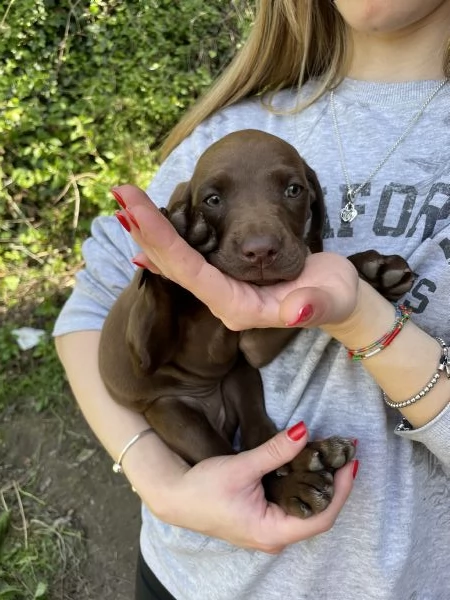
260,248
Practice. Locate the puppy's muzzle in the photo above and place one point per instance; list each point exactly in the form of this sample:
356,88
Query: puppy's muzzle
259,250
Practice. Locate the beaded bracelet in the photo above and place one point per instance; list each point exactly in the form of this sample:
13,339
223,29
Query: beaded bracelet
402,314
444,363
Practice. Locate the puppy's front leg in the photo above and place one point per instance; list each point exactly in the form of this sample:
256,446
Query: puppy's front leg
261,346
389,274
186,430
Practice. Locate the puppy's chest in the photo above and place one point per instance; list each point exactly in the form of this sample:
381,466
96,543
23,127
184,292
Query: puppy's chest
205,344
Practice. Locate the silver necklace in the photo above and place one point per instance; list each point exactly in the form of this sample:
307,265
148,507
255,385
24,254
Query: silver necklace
349,212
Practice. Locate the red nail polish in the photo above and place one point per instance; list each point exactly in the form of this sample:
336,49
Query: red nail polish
355,442
297,431
122,220
304,314
355,468
133,219
138,264
119,198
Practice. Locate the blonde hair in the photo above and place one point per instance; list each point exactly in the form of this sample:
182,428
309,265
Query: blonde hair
291,41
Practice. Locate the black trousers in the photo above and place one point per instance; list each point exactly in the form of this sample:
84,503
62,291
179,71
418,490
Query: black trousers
147,586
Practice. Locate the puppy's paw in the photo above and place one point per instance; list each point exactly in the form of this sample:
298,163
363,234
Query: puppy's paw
201,235
389,274
192,227
177,215
305,486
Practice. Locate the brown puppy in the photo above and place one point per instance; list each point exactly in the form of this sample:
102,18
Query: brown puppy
254,209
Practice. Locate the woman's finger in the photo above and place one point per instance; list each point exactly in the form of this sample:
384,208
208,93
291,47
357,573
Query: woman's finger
227,298
328,294
274,453
314,306
142,261
163,246
306,307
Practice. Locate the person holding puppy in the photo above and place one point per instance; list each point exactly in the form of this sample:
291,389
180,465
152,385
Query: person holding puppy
371,116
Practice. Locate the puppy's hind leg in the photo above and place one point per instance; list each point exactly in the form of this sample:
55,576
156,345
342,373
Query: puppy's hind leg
243,395
186,430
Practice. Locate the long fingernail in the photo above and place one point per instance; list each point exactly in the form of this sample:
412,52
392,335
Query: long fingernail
138,264
304,314
118,197
297,431
132,219
122,220
355,468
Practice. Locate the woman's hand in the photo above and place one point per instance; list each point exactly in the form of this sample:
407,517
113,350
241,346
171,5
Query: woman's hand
223,496
325,292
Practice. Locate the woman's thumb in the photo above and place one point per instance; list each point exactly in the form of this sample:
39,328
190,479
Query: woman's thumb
277,451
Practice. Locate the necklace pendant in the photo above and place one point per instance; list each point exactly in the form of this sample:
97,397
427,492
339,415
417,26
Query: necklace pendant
349,212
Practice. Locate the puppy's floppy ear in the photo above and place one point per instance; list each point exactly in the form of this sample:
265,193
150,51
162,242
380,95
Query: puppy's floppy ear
152,328
317,205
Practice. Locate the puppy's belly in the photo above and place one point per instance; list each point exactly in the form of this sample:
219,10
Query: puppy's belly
212,406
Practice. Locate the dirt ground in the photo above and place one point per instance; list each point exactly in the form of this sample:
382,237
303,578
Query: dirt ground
72,473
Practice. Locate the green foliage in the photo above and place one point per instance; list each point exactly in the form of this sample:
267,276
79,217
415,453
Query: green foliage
9,350
31,378
35,553
88,90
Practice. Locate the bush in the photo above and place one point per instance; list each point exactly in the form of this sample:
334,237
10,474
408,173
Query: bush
88,90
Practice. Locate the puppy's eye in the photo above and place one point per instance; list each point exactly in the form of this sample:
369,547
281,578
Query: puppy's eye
212,201
293,190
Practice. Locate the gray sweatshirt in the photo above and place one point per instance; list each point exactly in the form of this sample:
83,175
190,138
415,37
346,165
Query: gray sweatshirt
392,538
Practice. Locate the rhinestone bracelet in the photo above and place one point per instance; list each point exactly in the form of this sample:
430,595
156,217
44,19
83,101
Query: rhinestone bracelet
444,364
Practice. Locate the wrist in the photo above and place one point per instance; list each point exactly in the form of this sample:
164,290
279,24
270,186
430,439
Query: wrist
370,319
153,471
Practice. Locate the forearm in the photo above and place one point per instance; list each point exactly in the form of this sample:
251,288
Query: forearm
404,367
115,425
221,496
